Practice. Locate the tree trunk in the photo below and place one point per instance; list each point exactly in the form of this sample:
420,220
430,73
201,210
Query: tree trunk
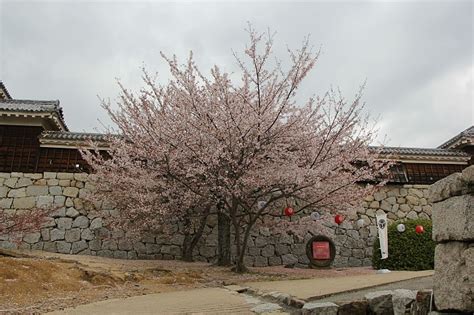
190,240
187,249
223,240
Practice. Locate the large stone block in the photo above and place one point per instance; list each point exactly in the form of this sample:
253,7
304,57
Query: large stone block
402,300
70,192
319,308
78,246
63,247
72,235
24,203
454,276
380,302
453,219
36,190
57,234
453,185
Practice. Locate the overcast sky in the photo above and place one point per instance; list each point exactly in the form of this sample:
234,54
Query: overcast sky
417,57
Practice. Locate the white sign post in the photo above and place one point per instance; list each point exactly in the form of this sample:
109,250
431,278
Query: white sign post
382,229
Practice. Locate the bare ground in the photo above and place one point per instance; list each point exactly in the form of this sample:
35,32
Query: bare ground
37,282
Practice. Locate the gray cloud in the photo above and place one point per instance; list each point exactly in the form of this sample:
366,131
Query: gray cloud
416,56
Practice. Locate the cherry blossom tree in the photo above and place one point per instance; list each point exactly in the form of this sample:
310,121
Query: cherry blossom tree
17,223
245,147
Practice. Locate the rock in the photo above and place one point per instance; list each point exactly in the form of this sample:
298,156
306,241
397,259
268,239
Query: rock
453,219
32,238
95,244
72,235
422,303
411,200
48,175
45,235
289,259
402,301
65,176
296,303
274,261
6,203
412,215
380,195
380,302
20,192
453,277
49,247
64,223
55,190
124,244
64,182
353,308
61,212
36,190
324,308
260,261
56,234
71,192
452,185
71,212
81,221
10,182
268,251
44,201
59,201
78,246
374,205
3,191
24,203
120,254
109,244
63,247
87,235
150,248
266,308
96,223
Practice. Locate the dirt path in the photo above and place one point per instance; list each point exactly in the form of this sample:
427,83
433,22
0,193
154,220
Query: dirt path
44,282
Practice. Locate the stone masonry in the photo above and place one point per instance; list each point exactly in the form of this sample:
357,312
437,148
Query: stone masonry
453,230
74,229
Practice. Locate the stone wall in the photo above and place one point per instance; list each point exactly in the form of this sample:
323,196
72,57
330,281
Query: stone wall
74,229
453,230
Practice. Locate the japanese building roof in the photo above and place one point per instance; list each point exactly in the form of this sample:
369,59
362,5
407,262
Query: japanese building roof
464,138
34,107
4,94
72,139
422,154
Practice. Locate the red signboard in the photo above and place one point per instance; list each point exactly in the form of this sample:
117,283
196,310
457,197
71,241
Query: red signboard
321,250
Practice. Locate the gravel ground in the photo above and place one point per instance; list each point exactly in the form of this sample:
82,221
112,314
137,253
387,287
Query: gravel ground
413,284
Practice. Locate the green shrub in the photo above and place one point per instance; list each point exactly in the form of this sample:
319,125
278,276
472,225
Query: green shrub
407,250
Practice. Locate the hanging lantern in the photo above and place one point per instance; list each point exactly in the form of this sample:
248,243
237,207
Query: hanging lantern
401,227
360,223
315,216
289,211
338,219
419,229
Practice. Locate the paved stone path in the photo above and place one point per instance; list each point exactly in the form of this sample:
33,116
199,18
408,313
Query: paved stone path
228,301
308,289
198,301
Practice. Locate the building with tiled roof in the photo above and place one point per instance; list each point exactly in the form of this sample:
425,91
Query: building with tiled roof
34,138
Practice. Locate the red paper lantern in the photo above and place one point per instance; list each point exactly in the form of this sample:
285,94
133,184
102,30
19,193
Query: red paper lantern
289,211
419,229
338,219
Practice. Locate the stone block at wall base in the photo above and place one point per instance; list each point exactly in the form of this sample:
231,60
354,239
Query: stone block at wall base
454,276
453,219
